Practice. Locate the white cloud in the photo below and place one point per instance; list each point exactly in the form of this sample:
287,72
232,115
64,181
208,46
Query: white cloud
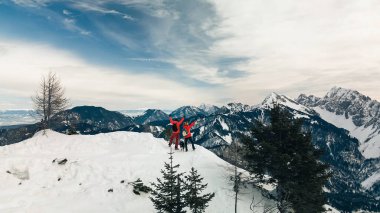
288,46
300,46
22,65
128,17
66,12
70,24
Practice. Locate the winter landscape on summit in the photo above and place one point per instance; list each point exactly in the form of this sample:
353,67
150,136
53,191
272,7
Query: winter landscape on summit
189,106
96,164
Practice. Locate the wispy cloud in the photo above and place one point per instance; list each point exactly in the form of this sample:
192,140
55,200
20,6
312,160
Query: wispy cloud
31,3
70,24
86,83
179,35
96,6
40,8
293,46
245,49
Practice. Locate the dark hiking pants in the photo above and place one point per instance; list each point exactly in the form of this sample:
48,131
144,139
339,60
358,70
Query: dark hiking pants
192,142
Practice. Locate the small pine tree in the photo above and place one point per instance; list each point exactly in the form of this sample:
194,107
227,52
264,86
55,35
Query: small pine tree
166,194
179,195
194,187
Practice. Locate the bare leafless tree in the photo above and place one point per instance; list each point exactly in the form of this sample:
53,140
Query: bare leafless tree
49,99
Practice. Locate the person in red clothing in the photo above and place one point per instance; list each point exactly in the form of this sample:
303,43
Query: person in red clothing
176,130
187,134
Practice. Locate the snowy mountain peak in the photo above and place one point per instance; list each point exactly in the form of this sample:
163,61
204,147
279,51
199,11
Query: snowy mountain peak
285,101
346,94
352,111
238,107
270,99
154,112
310,100
208,108
187,112
151,115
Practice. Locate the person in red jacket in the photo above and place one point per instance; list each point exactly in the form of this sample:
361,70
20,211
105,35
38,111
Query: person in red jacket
187,134
176,130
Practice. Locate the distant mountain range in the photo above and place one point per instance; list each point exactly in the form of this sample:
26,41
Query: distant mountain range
343,123
17,117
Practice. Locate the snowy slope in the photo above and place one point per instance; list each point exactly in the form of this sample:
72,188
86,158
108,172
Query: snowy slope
367,136
96,164
353,111
369,182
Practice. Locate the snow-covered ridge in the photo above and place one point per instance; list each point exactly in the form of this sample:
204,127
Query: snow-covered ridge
151,115
285,101
209,109
238,107
355,112
96,164
187,111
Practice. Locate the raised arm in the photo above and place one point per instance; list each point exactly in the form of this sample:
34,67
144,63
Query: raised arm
171,120
180,122
192,124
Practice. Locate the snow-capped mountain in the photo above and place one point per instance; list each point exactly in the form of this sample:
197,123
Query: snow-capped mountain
234,107
287,102
208,109
94,177
349,109
356,180
151,115
187,111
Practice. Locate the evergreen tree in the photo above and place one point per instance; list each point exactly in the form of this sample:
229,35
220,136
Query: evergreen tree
166,194
180,196
285,153
194,187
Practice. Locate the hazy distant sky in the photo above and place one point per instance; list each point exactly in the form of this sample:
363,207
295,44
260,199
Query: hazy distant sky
123,54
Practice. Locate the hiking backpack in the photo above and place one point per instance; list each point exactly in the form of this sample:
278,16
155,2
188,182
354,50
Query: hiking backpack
175,128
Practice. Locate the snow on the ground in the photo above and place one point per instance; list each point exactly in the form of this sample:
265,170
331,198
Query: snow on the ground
330,209
368,183
96,164
368,137
223,124
227,138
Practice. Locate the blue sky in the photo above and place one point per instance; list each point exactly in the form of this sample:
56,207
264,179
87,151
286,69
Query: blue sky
163,54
